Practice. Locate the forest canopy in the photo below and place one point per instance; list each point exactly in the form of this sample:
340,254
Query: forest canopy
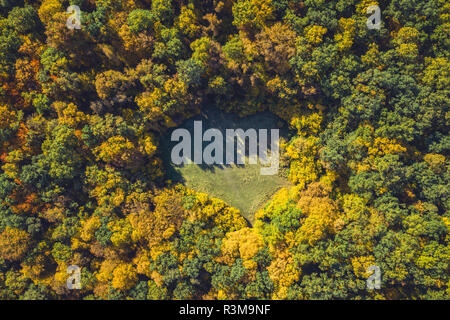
83,181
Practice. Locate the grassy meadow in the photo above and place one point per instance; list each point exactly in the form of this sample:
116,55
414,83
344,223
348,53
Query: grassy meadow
241,186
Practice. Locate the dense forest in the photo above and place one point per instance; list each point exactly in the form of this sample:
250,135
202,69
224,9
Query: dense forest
83,111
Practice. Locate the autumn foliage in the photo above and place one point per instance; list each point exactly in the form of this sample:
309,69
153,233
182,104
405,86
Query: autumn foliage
82,180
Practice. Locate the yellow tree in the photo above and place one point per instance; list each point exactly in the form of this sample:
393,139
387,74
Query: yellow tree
124,277
14,243
48,8
119,151
188,21
321,212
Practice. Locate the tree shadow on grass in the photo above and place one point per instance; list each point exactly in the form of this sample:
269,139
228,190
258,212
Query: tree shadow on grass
217,119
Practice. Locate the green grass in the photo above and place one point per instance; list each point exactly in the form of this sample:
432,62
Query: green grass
242,187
